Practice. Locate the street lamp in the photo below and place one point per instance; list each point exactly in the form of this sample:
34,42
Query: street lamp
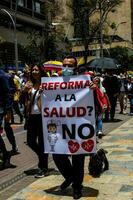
15,37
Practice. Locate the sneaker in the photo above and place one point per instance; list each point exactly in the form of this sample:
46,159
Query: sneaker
100,134
41,173
77,194
65,184
124,112
14,151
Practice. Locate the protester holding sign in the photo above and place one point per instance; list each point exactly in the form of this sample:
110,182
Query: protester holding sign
69,123
34,124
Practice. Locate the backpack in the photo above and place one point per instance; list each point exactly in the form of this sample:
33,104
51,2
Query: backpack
12,84
95,165
98,163
101,99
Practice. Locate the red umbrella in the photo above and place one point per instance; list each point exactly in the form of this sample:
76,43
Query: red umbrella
53,65
50,67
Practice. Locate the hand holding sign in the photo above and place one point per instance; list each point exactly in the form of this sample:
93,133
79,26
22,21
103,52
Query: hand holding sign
72,103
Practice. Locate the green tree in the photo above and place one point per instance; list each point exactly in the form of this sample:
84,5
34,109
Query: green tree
82,11
84,26
51,43
32,49
121,54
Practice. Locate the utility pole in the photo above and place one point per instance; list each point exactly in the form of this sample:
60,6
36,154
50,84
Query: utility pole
99,6
15,38
101,29
102,7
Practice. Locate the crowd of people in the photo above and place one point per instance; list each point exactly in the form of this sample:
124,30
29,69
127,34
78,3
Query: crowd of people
23,89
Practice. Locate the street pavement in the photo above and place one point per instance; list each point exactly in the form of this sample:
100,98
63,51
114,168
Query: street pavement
114,184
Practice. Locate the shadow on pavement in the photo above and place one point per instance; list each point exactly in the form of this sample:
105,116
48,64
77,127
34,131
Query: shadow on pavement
31,172
87,191
51,171
112,121
11,166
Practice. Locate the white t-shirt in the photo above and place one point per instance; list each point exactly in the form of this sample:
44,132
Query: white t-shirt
35,109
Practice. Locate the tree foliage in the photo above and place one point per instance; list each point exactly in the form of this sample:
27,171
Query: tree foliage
32,48
83,12
122,55
85,9
51,43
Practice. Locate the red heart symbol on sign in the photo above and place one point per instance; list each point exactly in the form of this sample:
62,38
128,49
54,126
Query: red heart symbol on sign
88,145
73,146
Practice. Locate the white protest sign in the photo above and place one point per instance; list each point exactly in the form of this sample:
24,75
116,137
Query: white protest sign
68,115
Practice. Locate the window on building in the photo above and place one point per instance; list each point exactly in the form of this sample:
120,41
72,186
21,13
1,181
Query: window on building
37,7
21,3
29,5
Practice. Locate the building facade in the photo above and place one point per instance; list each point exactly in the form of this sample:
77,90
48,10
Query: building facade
30,15
123,20
122,35
19,17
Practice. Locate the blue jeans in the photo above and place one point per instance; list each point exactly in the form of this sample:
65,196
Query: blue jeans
99,123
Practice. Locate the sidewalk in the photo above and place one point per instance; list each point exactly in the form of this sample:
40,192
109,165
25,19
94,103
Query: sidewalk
114,184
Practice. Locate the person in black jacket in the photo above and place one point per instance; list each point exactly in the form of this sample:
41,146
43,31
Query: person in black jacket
112,87
5,103
5,106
